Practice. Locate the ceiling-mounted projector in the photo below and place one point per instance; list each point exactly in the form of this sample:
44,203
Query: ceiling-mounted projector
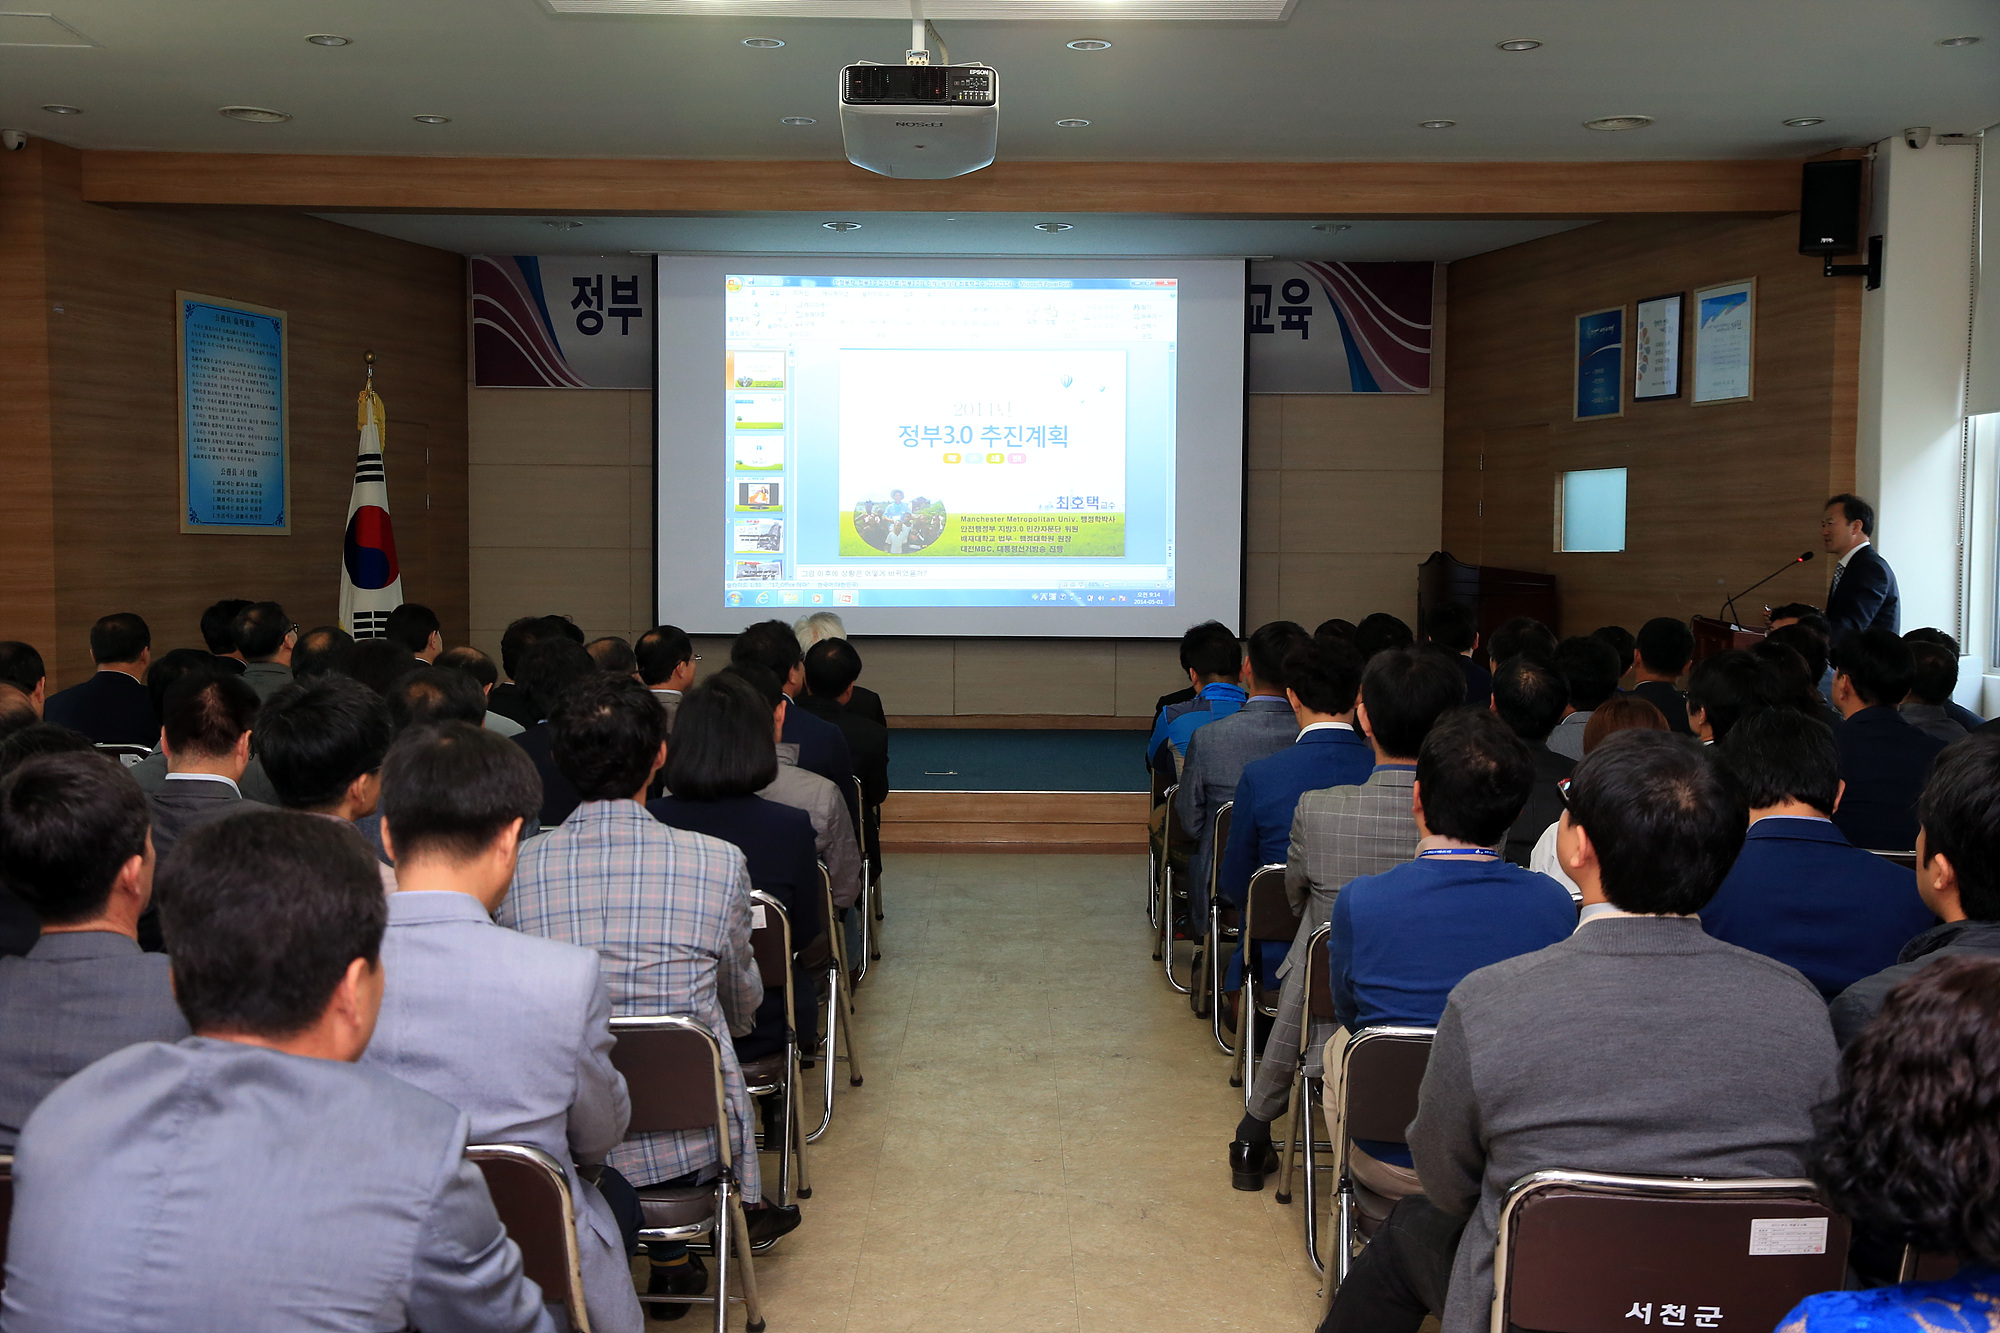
919,122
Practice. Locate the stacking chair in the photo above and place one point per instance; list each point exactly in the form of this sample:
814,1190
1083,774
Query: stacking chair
1916,1266
1211,959
673,1071
777,1074
1268,917
128,755
1156,852
869,904
6,1208
1306,1093
1585,1252
839,1003
1380,1072
531,1193
1908,860
1173,890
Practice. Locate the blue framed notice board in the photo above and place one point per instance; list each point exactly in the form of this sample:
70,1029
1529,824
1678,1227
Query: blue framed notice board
235,416
1600,364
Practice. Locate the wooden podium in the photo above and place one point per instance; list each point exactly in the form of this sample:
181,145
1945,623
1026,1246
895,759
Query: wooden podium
1712,636
1495,595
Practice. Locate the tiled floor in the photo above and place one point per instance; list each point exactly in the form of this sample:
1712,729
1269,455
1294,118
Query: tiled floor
1039,1143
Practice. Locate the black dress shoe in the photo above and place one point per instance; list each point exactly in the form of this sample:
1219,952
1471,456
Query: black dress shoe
771,1221
1250,1162
688,1279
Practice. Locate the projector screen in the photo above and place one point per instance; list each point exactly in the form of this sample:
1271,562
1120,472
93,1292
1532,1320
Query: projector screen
951,447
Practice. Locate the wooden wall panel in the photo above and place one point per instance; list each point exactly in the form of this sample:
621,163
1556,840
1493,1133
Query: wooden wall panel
27,461
1719,495
111,276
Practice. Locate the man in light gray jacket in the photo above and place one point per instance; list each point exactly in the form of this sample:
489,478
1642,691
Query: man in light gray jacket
512,1029
251,1176
1639,1045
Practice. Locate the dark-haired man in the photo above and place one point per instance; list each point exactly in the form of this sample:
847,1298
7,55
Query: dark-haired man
833,827
1535,1062
1623,642
1338,835
320,651
266,637
547,670
1810,645
1381,632
510,698
252,1176
1799,892
112,707
73,847
666,659
1455,629
1936,676
205,737
832,667
614,656
416,630
1401,939
1217,752
218,633
1958,713
431,695
1213,660
512,1029
1589,668
668,913
1958,874
322,747
480,669
1723,689
1883,759
1664,648
1529,697
1522,636
1863,592
21,668
774,646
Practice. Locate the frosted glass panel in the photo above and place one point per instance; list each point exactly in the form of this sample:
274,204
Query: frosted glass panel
1593,510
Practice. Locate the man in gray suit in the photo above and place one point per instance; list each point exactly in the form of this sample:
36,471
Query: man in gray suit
1339,834
73,846
512,1029
1217,752
265,636
1638,1045
205,736
252,1176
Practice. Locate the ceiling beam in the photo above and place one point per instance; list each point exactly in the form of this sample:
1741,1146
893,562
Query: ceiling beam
1187,189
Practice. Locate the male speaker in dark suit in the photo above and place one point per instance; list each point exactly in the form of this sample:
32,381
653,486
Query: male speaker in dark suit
1863,595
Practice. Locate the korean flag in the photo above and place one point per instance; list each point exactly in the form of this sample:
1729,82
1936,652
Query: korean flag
371,582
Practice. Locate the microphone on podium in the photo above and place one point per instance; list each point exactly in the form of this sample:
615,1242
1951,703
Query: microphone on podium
1729,612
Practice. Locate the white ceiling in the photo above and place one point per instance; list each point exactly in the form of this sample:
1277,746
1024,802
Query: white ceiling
1092,234
1338,80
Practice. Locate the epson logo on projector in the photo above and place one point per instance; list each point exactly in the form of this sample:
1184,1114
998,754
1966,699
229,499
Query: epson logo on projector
919,124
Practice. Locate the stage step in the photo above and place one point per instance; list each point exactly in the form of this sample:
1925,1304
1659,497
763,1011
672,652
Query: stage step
1014,821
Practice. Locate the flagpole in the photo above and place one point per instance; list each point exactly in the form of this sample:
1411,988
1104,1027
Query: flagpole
371,584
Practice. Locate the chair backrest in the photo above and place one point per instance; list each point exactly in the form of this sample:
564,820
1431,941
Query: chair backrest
532,1196
1269,914
1585,1252
861,824
1218,840
1163,781
1319,981
1176,835
6,1208
1381,1071
826,900
131,756
1918,1266
673,1072
770,939
1908,860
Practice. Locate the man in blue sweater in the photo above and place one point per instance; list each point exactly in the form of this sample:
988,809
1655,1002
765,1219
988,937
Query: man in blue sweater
1402,939
1800,892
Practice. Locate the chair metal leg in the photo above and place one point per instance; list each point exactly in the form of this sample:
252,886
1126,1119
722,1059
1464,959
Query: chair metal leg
727,1212
1343,1233
1218,969
868,951
753,1305
1166,951
847,1039
1309,1135
826,1063
1247,1009
795,1127
1284,1194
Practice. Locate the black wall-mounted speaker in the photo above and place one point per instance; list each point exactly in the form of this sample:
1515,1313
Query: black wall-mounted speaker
1830,207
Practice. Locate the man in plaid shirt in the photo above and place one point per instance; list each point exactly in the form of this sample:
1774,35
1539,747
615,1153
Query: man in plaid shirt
668,913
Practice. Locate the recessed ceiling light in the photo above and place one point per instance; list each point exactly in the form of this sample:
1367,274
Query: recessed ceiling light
1957,41
1436,124
1090,44
1072,124
1519,44
562,224
1055,226
432,120
798,120
841,226
256,115
1331,228
1801,122
762,43
58,109
329,39
1618,123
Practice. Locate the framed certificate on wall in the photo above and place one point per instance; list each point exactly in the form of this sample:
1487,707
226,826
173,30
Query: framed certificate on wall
235,416
1656,348
1725,342
1600,364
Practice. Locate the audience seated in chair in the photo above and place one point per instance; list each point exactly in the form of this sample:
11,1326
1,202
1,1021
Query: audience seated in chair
1215,754
1722,688
479,667
417,631
770,644
613,655
320,652
1522,636
510,698
150,773
1799,892
833,828
1907,1150
1381,633
546,672
74,847
512,1029
1935,678
1625,712
1811,647
1340,834
1401,939
1589,669
818,628
1965,717
21,668
666,659
1622,642
1958,874
1665,646
252,1176
1529,696
1322,678
266,637
1213,660
322,747
112,707
1883,758
218,634
1455,630
832,667
205,737
1638,1045
668,913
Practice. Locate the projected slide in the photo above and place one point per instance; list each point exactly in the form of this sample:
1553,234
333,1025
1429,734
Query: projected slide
947,442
